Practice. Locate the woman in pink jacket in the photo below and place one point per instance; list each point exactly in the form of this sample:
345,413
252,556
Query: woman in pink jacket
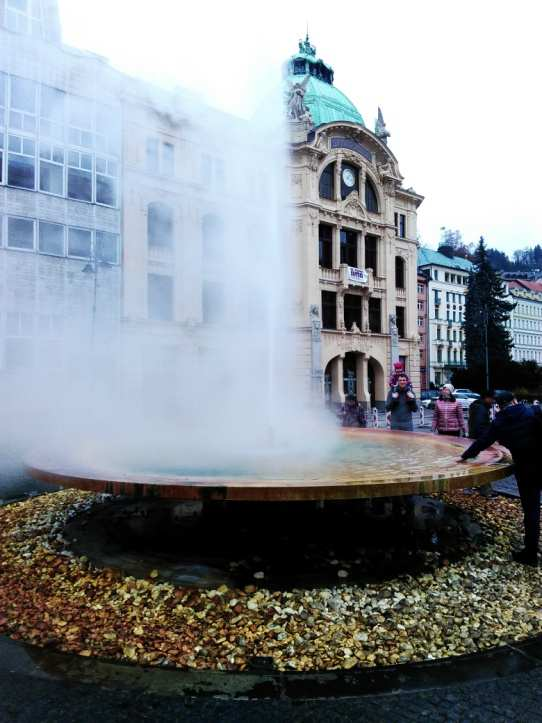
448,414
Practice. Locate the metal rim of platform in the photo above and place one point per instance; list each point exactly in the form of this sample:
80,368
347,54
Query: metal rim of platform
488,468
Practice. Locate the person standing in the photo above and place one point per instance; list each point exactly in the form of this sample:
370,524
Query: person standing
448,414
519,428
401,403
479,414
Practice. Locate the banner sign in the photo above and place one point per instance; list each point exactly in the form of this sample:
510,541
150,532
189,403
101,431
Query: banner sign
357,277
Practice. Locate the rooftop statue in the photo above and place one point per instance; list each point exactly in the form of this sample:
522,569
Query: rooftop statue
296,108
380,128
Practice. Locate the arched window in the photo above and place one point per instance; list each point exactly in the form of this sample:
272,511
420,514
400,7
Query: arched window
212,232
160,225
327,182
399,272
371,199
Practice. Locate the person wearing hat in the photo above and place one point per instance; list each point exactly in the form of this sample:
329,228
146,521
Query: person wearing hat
401,403
448,414
519,428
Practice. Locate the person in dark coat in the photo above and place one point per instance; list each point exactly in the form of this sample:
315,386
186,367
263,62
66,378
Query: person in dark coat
401,402
479,414
519,428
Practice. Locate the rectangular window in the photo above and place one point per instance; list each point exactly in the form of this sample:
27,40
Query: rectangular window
21,162
168,159
375,315
400,316
24,16
212,302
108,130
107,247
435,274
439,354
349,248
20,233
51,239
352,310
79,243
446,277
3,98
160,297
152,160
52,112
325,242
52,169
402,225
371,254
80,176
22,114
106,181
329,310
438,333
1,157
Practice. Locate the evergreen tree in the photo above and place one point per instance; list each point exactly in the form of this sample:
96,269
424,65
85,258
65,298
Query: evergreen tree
486,315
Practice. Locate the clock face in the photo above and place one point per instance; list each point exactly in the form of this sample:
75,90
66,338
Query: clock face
349,177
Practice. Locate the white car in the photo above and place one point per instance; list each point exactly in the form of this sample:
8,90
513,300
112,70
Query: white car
468,393
464,400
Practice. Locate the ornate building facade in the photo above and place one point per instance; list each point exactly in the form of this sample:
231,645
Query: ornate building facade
356,231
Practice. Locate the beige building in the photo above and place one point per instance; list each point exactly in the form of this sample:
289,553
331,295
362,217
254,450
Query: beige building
355,227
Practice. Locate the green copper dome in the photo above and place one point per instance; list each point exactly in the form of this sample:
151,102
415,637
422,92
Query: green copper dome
325,102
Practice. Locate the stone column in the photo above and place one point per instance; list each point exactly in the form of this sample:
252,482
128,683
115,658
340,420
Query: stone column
336,247
362,377
337,380
338,170
365,312
361,250
362,180
340,311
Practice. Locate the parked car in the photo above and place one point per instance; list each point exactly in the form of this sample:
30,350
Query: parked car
468,392
464,399
428,398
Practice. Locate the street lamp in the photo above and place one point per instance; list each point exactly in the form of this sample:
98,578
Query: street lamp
484,323
91,267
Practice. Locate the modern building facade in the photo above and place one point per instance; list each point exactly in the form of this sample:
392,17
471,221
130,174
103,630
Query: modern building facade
525,322
446,292
60,166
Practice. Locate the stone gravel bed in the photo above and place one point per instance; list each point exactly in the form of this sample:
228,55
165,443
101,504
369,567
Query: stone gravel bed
50,597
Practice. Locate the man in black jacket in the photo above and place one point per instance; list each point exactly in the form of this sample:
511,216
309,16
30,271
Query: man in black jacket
519,428
479,417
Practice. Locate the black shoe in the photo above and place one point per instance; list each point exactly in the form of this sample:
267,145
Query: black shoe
524,557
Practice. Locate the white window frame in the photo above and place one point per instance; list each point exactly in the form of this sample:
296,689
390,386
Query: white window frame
21,218
109,162
21,152
64,239
79,167
54,147
73,256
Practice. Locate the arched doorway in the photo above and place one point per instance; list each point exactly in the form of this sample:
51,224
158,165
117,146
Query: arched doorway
377,383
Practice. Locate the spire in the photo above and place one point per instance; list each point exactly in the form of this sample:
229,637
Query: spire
380,128
305,46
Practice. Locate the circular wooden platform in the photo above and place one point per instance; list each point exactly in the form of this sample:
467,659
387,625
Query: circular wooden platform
367,463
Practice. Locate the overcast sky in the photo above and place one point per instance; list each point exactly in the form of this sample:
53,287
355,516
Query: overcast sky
459,85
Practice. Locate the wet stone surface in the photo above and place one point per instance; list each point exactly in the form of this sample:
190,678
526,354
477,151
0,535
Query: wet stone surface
284,545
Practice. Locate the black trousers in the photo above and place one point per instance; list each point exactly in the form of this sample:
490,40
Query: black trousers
529,481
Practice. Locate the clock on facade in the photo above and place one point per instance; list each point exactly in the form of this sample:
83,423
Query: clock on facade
349,177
